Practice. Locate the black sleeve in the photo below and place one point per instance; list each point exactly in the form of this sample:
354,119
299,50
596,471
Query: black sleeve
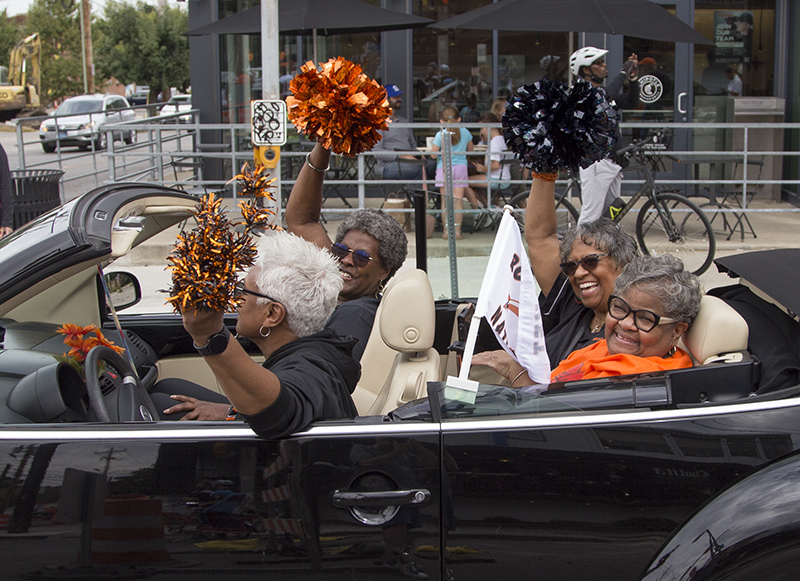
629,99
6,195
311,389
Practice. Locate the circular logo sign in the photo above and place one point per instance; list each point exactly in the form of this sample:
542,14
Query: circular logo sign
650,89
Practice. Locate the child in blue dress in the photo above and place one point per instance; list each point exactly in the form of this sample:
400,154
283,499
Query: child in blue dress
461,141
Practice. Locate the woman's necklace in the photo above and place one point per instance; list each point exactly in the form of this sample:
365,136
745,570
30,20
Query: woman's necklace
595,328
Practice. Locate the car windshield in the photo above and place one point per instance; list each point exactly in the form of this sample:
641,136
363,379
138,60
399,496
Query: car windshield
79,107
181,101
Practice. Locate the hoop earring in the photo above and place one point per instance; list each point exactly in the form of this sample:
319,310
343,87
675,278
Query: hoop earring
261,331
379,290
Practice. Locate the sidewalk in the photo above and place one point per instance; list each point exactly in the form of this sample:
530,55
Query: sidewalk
773,229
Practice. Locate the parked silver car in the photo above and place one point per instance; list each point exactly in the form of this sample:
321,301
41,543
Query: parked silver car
78,122
177,104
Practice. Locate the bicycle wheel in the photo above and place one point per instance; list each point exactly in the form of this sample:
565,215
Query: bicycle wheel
566,214
687,234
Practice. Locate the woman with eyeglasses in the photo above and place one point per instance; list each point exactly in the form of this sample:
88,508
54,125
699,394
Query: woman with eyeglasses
308,373
370,245
654,302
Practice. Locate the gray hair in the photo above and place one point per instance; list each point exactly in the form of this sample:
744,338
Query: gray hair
604,235
665,278
301,276
392,240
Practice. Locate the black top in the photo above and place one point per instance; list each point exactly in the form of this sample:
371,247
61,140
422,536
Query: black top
317,375
355,319
566,322
627,100
6,195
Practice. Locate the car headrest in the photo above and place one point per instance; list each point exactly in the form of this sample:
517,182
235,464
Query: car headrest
717,329
407,316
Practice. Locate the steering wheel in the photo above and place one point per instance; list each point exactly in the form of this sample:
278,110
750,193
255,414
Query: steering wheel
129,403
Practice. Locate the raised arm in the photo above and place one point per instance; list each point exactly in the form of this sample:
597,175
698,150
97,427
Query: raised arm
541,233
305,202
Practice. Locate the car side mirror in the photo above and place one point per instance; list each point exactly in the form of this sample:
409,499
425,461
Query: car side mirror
123,289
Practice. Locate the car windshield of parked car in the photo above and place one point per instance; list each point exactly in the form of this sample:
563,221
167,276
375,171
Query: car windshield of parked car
79,107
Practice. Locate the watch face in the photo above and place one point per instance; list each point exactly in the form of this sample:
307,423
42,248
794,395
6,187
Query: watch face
218,343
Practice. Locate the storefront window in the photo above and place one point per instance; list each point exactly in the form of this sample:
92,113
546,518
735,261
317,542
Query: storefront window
743,54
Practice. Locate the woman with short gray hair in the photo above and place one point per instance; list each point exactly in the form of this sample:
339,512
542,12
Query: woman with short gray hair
655,301
370,245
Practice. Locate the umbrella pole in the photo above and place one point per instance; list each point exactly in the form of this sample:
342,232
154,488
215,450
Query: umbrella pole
314,44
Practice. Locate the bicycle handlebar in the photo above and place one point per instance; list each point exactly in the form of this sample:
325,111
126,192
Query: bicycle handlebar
638,145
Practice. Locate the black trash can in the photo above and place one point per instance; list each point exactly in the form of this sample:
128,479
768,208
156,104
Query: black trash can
35,192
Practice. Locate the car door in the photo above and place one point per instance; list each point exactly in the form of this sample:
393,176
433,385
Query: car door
182,500
585,495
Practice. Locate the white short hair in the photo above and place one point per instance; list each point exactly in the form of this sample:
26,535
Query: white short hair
301,276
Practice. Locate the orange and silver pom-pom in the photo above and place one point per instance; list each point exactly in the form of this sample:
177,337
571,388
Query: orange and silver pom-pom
339,106
206,261
254,184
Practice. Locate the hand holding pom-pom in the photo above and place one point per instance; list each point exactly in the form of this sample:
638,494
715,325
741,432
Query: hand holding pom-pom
339,106
550,127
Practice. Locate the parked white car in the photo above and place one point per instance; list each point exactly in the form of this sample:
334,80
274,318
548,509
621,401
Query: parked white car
78,121
177,104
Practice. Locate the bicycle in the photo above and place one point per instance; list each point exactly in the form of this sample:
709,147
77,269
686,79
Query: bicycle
668,222
566,214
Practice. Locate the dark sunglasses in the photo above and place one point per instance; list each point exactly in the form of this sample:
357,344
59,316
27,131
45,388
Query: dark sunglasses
643,319
599,63
361,258
588,262
240,290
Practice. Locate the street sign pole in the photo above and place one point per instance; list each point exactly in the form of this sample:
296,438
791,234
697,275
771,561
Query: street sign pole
270,71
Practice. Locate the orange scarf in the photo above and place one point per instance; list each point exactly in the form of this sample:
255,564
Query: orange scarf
595,361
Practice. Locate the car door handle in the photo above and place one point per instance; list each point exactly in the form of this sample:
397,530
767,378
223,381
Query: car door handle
381,498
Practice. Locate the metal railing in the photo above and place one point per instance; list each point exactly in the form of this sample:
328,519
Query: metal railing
206,157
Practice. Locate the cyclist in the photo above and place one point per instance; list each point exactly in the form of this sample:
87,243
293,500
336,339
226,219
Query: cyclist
601,182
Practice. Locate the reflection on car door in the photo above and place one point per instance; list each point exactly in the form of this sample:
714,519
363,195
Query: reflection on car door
210,497
596,499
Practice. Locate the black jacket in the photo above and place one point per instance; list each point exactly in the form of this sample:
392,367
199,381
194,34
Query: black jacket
622,100
317,375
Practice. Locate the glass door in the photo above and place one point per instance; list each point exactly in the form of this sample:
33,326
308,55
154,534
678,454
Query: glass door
665,86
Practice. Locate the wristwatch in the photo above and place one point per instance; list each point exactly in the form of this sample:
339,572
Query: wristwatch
216,344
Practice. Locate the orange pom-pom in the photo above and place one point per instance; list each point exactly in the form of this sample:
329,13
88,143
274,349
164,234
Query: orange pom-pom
339,106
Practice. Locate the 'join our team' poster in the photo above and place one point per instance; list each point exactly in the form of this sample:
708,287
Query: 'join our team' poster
733,36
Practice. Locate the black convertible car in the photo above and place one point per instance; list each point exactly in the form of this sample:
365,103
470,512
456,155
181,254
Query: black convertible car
690,474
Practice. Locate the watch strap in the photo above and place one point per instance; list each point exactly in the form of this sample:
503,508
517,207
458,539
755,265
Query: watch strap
216,344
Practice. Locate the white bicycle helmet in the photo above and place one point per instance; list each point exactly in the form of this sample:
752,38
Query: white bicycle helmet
584,57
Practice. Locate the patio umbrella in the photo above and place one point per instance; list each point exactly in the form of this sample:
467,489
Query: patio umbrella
317,16
639,18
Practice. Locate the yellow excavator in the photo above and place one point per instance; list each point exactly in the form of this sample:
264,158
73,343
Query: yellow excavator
20,86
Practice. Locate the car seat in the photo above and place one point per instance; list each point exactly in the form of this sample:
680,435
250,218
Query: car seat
718,333
399,358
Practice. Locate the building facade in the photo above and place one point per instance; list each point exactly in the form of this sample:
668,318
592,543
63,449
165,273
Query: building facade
686,82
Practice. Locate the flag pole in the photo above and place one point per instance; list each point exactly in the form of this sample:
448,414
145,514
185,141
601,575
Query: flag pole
472,334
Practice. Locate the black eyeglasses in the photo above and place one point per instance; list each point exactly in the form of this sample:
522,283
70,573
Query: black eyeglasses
588,262
599,63
643,319
361,258
240,290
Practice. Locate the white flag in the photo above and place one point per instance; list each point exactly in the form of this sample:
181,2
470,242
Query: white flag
509,301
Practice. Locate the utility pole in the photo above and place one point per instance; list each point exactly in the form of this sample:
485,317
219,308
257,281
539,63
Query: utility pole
86,42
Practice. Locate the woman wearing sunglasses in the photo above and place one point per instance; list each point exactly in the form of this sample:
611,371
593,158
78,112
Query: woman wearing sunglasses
370,245
575,274
654,302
